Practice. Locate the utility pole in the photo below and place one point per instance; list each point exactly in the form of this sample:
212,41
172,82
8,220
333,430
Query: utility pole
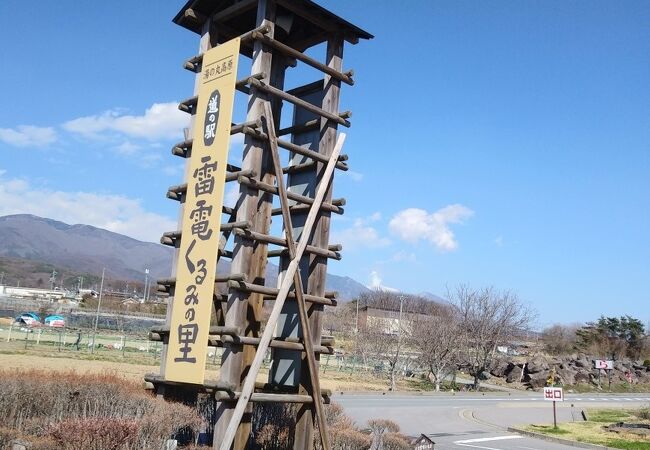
146,291
399,321
2,277
356,324
101,289
53,280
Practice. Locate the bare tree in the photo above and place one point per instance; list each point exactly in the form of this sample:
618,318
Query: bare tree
560,339
437,340
380,346
488,317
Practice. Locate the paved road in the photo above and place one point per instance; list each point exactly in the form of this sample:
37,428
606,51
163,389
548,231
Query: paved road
476,420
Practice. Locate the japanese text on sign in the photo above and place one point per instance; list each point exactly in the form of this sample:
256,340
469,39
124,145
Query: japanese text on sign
197,262
554,394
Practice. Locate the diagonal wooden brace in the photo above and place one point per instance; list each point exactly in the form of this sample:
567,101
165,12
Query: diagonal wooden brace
287,282
297,279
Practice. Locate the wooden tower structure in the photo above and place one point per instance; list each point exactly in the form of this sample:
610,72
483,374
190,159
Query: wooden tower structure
295,186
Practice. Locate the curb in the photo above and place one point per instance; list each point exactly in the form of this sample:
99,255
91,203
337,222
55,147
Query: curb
557,440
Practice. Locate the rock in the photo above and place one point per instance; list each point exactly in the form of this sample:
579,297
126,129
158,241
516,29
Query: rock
536,365
501,368
485,375
514,375
582,362
537,380
582,377
567,376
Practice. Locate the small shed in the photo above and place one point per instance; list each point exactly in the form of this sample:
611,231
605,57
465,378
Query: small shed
424,442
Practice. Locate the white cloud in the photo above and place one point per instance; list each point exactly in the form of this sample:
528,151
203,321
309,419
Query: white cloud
231,195
112,212
414,224
28,136
127,148
354,176
498,241
359,235
403,256
375,280
375,283
175,170
160,121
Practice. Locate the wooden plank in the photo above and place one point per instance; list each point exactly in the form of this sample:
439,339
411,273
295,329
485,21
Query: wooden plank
287,282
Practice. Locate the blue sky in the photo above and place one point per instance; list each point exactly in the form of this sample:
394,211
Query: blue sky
494,143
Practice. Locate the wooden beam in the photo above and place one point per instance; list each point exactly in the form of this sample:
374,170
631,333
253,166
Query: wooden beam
334,117
295,197
272,293
277,45
298,149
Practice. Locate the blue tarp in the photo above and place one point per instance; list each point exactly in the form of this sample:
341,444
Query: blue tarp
32,315
54,317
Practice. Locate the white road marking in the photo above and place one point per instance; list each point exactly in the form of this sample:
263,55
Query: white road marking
496,438
478,446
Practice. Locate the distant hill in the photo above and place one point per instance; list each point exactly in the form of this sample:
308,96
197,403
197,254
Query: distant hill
39,245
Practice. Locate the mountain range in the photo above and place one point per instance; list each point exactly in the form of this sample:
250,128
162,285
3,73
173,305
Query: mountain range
30,242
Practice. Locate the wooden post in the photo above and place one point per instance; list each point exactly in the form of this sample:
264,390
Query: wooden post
244,308
318,264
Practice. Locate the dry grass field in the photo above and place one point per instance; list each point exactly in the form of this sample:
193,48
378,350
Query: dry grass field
81,363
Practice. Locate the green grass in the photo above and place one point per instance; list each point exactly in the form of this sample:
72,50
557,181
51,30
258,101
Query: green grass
548,429
620,388
608,416
592,431
628,445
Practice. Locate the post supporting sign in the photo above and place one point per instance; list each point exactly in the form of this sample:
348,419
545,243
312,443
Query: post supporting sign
197,261
554,394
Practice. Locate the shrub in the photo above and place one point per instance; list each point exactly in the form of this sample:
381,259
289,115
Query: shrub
349,439
643,413
395,441
95,433
60,405
646,363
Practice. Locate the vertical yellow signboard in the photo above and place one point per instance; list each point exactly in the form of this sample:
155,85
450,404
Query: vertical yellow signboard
197,260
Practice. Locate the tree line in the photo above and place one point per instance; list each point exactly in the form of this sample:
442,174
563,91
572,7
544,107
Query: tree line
608,338
463,332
